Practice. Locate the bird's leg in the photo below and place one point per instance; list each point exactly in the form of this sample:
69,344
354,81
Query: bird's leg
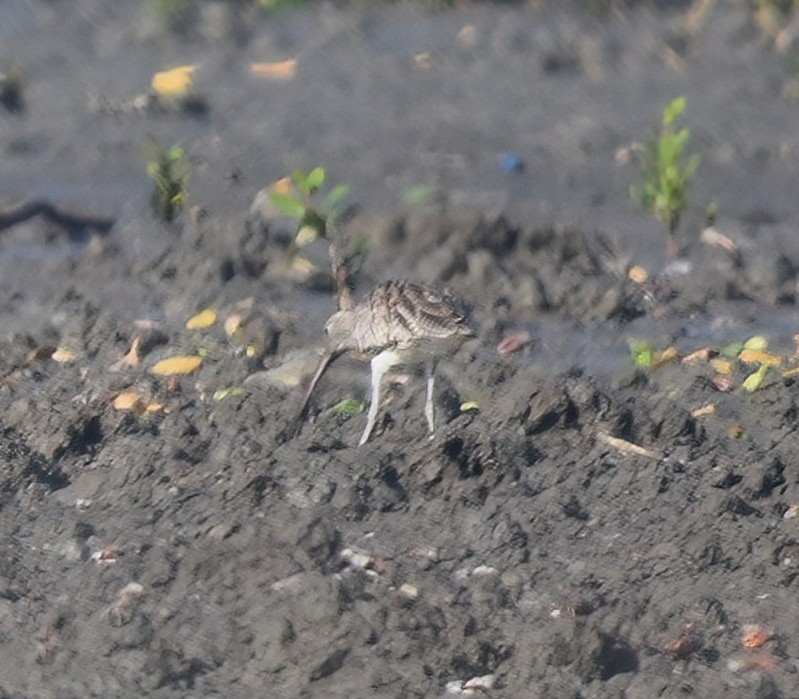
429,409
381,363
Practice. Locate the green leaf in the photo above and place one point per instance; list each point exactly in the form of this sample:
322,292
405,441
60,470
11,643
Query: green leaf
230,392
753,381
642,354
758,342
336,195
349,406
315,179
673,111
732,350
300,180
420,195
287,205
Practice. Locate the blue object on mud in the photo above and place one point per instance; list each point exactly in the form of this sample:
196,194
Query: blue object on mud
511,163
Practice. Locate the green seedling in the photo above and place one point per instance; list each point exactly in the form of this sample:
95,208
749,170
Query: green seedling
667,171
645,356
349,406
169,172
297,198
642,354
423,195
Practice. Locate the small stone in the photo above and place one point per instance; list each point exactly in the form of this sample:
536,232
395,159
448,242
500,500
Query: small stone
409,592
355,558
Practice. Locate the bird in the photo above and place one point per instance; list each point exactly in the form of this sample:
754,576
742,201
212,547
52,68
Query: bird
398,323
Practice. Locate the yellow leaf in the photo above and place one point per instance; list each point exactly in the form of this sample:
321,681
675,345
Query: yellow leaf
174,82
251,351
721,366
753,356
708,409
306,235
128,400
176,365
665,357
637,274
469,405
275,70
305,267
204,319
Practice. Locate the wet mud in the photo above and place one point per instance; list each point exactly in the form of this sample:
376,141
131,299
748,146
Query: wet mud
590,529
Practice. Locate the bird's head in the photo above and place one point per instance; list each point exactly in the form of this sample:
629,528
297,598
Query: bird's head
339,329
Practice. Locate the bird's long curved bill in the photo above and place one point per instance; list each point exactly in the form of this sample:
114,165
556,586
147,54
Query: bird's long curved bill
325,361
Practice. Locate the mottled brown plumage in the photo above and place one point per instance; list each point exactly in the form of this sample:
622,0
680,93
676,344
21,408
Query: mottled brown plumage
397,323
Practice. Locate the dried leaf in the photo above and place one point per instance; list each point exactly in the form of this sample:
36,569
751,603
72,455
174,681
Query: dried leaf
721,366
708,409
753,356
174,82
710,236
132,357
664,357
755,636
637,274
624,446
303,266
512,342
176,365
306,235
128,400
689,642
700,355
788,373
233,324
204,319
470,405
723,383
736,431
275,70
63,356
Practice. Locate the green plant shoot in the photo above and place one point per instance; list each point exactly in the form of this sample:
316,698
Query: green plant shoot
667,170
169,172
300,203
